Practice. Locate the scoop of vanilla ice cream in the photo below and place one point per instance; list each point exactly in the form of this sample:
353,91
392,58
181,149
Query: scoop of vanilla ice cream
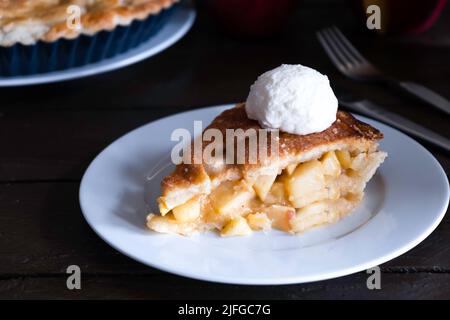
292,98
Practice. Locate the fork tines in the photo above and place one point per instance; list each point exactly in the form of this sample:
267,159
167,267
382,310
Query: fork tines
341,52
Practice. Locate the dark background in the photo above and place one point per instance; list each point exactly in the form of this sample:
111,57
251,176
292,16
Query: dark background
50,133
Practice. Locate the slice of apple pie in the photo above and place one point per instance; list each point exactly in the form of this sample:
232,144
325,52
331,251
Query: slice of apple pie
313,180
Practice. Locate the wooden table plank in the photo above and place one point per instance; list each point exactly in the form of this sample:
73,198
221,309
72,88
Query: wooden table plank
393,286
46,145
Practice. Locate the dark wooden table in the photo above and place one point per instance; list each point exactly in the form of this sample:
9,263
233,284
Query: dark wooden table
50,133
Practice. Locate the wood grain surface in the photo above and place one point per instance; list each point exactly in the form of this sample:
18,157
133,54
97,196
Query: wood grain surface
50,133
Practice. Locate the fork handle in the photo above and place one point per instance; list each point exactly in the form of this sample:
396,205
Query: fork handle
376,112
426,95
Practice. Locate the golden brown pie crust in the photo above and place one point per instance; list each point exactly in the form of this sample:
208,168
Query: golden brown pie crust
52,15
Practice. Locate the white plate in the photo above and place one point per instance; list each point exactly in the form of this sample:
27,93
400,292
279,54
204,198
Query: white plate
404,203
173,30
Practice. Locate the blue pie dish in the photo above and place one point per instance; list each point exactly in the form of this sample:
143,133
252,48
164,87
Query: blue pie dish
63,54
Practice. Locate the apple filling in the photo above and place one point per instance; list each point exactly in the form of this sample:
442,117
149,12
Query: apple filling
301,196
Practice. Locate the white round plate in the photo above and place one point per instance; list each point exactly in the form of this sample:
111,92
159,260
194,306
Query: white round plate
404,203
174,29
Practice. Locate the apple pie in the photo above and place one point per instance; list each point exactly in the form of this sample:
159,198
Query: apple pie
29,21
313,180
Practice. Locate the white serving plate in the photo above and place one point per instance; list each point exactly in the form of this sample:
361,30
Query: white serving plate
404,203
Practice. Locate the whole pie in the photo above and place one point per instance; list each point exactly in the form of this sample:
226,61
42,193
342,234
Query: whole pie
314,179
27,21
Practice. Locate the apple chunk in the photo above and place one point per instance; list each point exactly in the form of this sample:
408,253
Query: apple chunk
258,221
277,194
231,196
263,184
188,211
236,227
344,158
306,184
330,164
281,216
312,215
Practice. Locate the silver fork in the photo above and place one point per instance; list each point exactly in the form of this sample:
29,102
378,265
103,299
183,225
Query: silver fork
352,64
374,111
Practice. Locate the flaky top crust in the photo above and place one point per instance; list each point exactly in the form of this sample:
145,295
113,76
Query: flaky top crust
345,126
346,131
47,19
